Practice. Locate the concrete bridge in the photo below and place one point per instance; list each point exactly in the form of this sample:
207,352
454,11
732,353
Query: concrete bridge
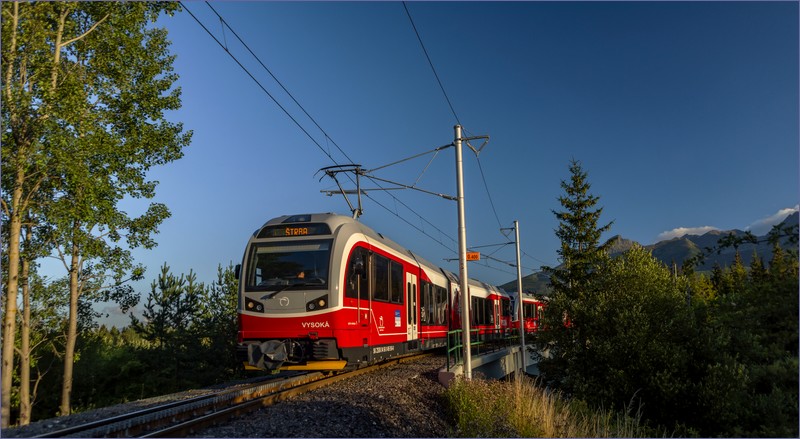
496,363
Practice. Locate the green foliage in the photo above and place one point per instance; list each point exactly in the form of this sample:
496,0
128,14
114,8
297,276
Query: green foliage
479,409
638,338
115,85
710,355
186,339
724,366
110,368
217,327
191,329
86,90
750,351
170,314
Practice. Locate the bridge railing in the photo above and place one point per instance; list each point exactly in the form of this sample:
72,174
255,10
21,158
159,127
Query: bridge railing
482,341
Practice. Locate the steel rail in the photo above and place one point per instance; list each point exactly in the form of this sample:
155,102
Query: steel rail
192,426
181,418
136,422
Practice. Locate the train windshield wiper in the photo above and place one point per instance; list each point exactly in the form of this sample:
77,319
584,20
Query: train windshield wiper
319,281
284,288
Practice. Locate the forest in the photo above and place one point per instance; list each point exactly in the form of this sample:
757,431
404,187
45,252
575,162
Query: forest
185,338
698,354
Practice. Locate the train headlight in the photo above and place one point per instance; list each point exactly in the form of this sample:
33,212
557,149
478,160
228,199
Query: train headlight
252,305
317,304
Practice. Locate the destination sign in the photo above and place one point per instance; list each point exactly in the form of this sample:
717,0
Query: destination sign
294,230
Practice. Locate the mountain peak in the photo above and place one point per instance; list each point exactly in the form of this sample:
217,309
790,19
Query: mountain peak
617,244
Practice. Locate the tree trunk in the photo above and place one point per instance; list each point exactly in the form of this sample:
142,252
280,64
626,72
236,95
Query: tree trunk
12,287
25,343
72,333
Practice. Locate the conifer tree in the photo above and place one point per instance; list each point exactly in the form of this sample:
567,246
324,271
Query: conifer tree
578,232
581,253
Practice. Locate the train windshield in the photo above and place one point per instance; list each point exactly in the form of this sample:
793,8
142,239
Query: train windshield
285,265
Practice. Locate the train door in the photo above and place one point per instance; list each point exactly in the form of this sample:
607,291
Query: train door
412,310
358,285
497,314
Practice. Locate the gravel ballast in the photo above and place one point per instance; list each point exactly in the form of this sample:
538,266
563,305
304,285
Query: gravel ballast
404,400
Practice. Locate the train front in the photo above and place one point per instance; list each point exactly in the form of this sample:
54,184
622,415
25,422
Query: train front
287,294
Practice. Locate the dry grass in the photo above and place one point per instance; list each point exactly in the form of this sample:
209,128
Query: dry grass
520,408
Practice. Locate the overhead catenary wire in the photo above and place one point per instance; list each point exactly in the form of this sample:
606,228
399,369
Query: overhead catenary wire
447,98
412,225
488,194
327,137
261,86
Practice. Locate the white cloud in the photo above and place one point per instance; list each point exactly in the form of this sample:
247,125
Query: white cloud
762,226
680,231
758,228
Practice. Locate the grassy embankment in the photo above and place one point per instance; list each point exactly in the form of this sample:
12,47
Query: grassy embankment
520,408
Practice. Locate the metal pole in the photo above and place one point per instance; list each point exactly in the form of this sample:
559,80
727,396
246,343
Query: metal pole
521,308
462,258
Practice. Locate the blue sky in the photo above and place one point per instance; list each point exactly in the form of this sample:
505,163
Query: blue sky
684,115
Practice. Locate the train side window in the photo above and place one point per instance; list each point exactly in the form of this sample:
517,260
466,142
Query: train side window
441,305
482,311
396,282
433,305
425,304
380,266
506,306
530,311
358,262
430,307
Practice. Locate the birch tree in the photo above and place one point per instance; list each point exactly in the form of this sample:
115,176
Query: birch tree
86,88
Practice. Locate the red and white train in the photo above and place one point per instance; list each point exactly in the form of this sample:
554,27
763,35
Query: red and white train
326,292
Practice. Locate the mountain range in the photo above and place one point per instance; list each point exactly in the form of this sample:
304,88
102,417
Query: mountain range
677,250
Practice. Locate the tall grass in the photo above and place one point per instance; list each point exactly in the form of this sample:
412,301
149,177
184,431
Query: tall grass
520,408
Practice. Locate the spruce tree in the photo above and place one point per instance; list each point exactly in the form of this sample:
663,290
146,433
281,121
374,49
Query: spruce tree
578,232
573,281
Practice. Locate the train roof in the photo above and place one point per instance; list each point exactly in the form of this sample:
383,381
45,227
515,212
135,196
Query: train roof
335,221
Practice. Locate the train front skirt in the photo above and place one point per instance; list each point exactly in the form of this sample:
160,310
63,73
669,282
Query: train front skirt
268,355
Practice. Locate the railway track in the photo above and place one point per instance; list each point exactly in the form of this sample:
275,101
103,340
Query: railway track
182,418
